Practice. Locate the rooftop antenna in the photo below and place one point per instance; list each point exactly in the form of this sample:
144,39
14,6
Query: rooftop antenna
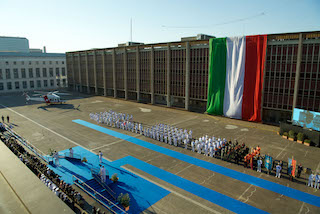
130,29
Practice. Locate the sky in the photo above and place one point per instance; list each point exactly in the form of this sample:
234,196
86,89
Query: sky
71,25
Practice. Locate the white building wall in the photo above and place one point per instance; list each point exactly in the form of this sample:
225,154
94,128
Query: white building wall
34,64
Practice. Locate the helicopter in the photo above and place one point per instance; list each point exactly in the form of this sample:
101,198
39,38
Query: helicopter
46,97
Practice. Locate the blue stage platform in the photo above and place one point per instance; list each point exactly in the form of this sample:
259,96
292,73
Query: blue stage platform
143,193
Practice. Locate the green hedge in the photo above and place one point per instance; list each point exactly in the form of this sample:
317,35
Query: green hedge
285,134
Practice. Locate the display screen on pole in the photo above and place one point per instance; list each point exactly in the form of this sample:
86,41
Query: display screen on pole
305,118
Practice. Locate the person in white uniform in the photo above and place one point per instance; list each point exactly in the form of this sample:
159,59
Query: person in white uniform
310,180
100,156
56,158
71,152
103,174
192,146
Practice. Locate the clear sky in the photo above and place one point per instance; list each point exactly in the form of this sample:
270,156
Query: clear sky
69,25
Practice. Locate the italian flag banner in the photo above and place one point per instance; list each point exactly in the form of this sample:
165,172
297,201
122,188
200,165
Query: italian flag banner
235,76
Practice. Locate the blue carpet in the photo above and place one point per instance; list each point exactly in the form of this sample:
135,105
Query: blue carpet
280,189
143,193
194,188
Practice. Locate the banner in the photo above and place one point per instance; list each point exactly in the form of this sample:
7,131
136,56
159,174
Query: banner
268,162
289,166
235,80
294,164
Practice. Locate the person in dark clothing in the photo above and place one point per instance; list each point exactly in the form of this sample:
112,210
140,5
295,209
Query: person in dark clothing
237,157
8,118
300,168
2,118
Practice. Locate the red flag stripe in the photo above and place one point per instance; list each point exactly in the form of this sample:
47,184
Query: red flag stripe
253,79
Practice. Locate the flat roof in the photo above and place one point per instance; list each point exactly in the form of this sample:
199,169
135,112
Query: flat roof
20,54
13,37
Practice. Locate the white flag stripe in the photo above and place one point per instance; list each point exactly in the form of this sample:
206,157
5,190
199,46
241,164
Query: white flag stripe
232,105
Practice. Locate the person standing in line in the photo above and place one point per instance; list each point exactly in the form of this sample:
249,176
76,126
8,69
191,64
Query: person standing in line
310,180
222,153
259,165
317,181
211,151
100,156
278,171
185,143
300,168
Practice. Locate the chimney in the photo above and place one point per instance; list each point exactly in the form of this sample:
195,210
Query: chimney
44,49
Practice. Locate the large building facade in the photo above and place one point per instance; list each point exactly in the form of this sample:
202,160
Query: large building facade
14,44
25,70
176,74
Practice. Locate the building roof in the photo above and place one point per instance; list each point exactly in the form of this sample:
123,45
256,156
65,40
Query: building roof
13,37
20,54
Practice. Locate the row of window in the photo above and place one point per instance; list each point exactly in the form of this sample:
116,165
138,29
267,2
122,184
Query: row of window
32,84
33,62
23,73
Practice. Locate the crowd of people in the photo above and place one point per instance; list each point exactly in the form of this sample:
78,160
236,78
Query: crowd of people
60,188
214,147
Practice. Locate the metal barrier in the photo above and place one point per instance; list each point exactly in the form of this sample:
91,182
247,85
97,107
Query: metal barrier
80,183
34,149
95,175
75,156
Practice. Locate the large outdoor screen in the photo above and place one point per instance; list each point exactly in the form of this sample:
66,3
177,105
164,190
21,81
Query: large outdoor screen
305,118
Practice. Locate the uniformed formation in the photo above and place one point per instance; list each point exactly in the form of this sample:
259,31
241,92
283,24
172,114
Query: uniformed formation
211,146
206,145
117,120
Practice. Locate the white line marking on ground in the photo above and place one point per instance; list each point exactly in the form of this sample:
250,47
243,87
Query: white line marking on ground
247,189
283,155
183,169
161,211
71,141
231,127
255,189
308,210
183,121
283,150
145,110
110,144
174,192
301,208
147,161
97,101
207,179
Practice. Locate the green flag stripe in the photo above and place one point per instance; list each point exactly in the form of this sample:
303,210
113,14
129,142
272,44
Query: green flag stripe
217,75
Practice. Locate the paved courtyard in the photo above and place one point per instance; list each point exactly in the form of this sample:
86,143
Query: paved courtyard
51,127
